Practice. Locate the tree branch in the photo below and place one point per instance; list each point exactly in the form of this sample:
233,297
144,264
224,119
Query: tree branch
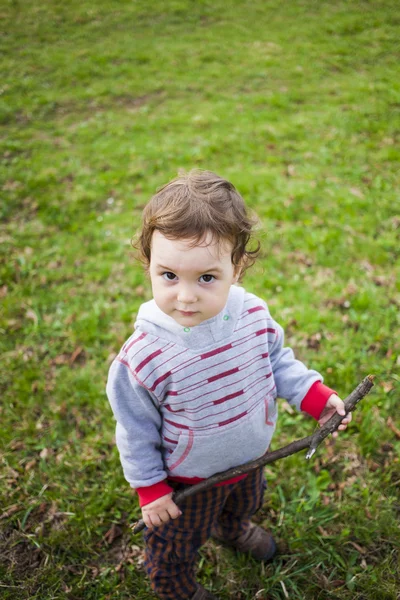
311,442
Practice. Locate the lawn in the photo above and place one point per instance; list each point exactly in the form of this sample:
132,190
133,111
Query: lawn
298,104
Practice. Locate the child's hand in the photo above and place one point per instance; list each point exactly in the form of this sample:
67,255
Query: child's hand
335,404
160,511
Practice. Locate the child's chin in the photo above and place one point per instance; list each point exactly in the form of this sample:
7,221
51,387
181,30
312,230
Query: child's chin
188,321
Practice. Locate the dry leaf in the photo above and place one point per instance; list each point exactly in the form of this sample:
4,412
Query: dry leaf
17,445
70,319
358,548
61,359
356,192
44,453
381,281
393,428
10,511
30,314
351,289
75,355
11,185
314,341
140,291
387,386
112,533
285,407
322,531
366,266
290,171
111,357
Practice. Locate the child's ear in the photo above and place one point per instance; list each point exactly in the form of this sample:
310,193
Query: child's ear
236,273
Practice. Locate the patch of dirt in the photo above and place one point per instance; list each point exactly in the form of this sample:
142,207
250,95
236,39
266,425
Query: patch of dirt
18,554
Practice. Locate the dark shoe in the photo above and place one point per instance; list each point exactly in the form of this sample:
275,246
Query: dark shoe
202,594
256,541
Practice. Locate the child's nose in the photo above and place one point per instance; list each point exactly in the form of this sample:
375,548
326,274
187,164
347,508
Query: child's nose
186,295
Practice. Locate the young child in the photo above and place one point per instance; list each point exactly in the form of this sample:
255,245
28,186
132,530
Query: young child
194,389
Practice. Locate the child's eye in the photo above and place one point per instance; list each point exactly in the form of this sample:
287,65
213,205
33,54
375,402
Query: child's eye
169,276
207,278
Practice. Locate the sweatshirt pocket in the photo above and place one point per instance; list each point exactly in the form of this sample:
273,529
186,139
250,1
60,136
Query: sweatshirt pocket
202,453
182,450
270,410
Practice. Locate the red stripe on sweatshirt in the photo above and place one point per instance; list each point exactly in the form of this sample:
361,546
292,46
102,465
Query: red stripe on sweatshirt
179,425
170,409
255,309
216,351
159,363
160,380
147,360
143,335
232,419
169,441
260,332
221,375
249,325
167,360
249,409
229,397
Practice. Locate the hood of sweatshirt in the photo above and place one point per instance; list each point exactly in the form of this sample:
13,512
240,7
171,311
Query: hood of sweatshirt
151,319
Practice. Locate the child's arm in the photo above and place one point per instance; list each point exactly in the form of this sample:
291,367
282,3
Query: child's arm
300,386
138,437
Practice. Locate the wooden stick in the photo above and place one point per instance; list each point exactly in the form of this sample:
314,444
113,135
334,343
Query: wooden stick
311,442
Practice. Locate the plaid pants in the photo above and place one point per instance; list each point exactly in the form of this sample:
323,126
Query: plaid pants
171,549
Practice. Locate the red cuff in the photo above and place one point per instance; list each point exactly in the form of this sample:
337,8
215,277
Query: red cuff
153,492
316,398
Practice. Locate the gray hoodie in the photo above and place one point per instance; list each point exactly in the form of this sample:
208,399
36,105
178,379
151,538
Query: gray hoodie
191,402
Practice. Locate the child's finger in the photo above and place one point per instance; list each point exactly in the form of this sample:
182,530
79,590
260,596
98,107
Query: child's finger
164,516
336,403
147,522
340,407
174,511
155,520
347,419
174,514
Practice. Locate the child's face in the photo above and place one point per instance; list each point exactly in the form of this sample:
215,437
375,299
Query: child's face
191,284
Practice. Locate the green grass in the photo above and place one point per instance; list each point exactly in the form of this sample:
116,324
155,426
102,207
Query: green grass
297,103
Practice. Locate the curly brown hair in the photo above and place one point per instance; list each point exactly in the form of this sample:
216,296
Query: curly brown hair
194,204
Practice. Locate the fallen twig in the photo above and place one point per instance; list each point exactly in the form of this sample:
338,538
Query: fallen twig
311,442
